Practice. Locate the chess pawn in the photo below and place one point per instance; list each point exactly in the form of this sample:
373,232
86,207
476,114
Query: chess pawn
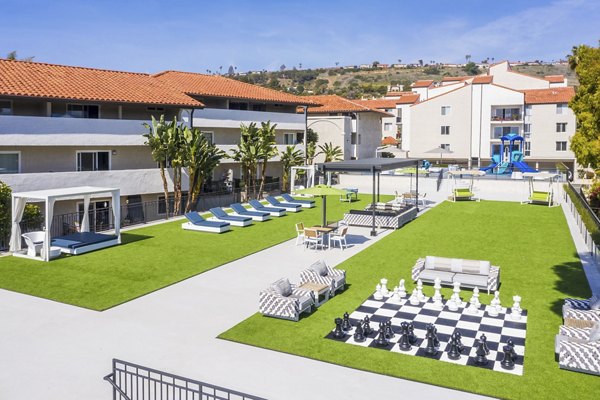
381,341
346,326
493,308
474,303
402,289
338,333
420,294
367,330
476,297
483,340
456,293
481,353
431,349
515,311
378,294
389,332
497,298
437,286
384,289
452,304
395,297
414,300
510,356
359,334
404,343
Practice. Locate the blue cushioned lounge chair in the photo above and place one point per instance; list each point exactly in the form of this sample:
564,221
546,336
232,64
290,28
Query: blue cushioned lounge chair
240,210
221,216
288,206
197,223
274,211
303,203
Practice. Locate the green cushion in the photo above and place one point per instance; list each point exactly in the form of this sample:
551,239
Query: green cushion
539,196
463,193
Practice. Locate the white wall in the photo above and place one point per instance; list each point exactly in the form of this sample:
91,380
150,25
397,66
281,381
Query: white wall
334,129
543,136
515,80
369,129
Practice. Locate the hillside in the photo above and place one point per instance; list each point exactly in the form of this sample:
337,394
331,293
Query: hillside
373,82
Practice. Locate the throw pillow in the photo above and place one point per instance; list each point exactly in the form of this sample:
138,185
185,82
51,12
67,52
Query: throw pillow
319,267
282,287
595,332
595,303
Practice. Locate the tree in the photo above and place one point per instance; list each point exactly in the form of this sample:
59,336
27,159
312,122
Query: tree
421,63
290,157
282,67
231,70
467,58
585,61
375,64
311,136
158,140
246,154
330,152
471,68
266,150
201,158
13,56
311,152
32,215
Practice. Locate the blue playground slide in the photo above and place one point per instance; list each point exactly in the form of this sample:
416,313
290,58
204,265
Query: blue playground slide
489,167
523,166
503,168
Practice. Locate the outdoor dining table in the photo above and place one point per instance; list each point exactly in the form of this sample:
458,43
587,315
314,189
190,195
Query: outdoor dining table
325,230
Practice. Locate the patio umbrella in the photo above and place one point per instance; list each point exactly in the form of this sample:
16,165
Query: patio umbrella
323,191
440,150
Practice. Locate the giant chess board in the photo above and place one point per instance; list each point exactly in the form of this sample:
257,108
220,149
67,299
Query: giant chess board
498,330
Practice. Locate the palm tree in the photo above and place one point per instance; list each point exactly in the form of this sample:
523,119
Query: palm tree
330,152
158,140
247,154
266,150
311,152
290,157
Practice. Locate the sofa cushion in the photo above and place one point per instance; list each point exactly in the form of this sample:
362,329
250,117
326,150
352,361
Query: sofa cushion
471,280
429,274
595,303
319,267
458,265
282,287
595,332
476,267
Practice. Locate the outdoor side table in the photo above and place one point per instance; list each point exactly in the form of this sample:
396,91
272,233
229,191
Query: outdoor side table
320,291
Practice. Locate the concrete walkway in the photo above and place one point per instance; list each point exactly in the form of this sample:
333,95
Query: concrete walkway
51,350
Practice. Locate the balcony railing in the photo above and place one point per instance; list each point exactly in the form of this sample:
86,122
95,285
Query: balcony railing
224,118
516,117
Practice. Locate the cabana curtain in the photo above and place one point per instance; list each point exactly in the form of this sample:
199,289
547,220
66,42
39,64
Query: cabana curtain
18,208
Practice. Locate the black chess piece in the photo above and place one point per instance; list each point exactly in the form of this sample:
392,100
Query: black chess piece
404,342
481,358
483,339
338,333
358,333
367,330
412,338
346,326
436,341
454,352
459,340
510,356
389,331
381,341
431,349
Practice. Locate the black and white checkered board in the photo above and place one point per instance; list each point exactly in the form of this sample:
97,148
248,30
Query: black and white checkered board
497,329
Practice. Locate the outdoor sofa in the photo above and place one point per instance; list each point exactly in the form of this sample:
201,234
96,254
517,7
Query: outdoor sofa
273,211
242,211
387,215
470,273
320,272
285,300
197,223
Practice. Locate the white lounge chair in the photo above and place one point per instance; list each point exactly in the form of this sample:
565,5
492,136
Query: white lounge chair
34,241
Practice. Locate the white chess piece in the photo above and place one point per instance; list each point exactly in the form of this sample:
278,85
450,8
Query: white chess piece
378,295
452,304
402,289
516,310
384,289
474,303
414,299
437,286
395,297
420,294
456,293
493,308
476,297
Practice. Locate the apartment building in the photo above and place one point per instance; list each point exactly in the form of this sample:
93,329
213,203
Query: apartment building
354,127
389,125
469,115
71,126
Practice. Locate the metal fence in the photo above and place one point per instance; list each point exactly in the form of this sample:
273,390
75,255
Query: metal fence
134,382
592,216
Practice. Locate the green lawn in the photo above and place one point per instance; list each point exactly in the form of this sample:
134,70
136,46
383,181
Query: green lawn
533,247
151,258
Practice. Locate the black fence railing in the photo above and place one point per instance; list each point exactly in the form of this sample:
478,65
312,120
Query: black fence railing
133,382
136,213
586,219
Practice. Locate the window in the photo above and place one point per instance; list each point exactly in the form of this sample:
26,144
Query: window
528,111
289,138
210,136
500,131
83,111
93,160
5,107
506,114
155,108
387,126
445,146
446,110
561,146
353,138
10,162
445,130
526,128
162,210
527,149
238,106
390,110
259,107
561,127
560,108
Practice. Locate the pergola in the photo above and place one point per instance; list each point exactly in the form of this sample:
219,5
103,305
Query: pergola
49,197
374,166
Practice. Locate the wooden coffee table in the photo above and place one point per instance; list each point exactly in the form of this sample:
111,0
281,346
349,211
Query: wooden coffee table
320,291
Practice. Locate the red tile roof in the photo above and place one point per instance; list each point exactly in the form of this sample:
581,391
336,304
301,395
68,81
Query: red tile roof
218,86
455,78
555,78
549,96
332,103
423,83
483,79
378,103
50,81
408,98
388,140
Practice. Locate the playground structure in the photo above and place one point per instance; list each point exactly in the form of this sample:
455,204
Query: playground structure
462,184
537,196
510,158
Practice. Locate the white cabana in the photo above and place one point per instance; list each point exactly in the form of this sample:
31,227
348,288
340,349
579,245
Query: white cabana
49,197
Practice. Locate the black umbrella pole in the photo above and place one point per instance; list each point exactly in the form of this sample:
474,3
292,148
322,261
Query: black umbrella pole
324,211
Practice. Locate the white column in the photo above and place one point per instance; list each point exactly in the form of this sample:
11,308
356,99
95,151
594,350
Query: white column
116,207
85,222
49,215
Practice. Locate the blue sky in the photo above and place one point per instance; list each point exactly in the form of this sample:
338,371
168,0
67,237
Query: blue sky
150,36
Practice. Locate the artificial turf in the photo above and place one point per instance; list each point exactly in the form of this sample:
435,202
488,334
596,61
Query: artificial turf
151,258
537,257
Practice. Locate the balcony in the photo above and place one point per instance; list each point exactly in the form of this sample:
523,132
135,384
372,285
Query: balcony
223,118
507,114
510,118
50,131
227,148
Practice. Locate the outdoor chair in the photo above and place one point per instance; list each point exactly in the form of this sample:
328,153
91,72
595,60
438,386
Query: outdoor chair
320,272
463,194
578,349
291,207
299,233
34,241
197,223
273,211
285,300
314,237
236,220
241,211
339,237
303,203
580,318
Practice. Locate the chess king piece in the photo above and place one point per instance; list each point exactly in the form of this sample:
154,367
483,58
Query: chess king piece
378,294
384,289
338,333
367,330
495,306
515,310
404,343
381,341
358,333
413,299
395,297
412,338
346,326
402,289
510,356
481,353
420,294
